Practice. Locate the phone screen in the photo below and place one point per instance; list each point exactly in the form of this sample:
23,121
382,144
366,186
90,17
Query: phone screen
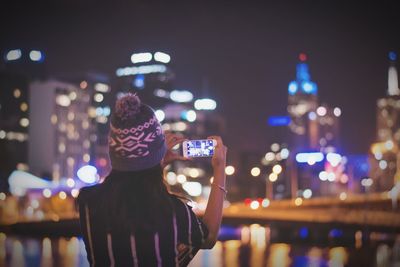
200,148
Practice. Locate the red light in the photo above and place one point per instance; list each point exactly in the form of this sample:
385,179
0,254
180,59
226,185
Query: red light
247,201
260,200
302,57
102,162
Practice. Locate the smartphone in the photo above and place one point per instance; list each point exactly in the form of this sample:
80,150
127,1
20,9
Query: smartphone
198,148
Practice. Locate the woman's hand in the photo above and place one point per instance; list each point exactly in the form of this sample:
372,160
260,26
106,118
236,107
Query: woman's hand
219,157
171,140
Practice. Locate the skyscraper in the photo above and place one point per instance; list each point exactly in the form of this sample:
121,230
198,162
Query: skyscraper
70,129
385,166
314,137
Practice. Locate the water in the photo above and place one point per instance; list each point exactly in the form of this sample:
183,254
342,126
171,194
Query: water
244,246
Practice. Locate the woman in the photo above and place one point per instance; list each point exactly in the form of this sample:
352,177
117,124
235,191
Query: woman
131,219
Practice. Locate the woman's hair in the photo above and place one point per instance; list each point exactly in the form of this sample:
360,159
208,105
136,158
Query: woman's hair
136,199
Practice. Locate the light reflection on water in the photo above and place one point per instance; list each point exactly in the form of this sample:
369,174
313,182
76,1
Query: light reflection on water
253,248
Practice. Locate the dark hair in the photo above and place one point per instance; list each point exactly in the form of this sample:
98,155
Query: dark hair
136,199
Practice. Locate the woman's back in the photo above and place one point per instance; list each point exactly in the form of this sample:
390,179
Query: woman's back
124,224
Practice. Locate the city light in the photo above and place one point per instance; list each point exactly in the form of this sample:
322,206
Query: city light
141,57
273,177
367,182
21,181
321,111
229,170
70,182
279,120
63,100
17,93
205,104
334,159
162,57
62,195
87,174
160,115
192,188
255,171
75,193
46,193
277,169
343,196
312,115
36,55
311,157
275,147
181,96
337,112
101,87
265,203
129,71
298,201
323,176
98,97
161,93
13,55
254,205
191,116
307,193
292,89
284,153
383,164
270,156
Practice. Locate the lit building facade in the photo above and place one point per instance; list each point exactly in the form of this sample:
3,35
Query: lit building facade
18,68
70,131
385,165
314,164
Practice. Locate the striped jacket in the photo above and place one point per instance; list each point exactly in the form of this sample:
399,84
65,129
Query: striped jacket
173,245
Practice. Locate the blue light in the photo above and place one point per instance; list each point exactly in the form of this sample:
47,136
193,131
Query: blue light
302,72
309,87
279,120
312,115
139,81
311,157
303,232
335,233
292,88
392,56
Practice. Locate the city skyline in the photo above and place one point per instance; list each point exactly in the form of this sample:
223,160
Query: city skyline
347,59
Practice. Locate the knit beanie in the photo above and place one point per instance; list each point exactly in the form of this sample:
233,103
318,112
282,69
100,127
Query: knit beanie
136,140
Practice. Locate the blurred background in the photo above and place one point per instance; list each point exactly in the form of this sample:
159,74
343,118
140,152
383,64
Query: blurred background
305,95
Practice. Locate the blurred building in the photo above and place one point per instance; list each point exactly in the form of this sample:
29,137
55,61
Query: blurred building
70,129
385,165
17,69
314,139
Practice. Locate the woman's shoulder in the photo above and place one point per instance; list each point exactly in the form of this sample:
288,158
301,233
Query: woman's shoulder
88,193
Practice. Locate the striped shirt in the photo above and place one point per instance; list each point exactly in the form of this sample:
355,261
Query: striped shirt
174,244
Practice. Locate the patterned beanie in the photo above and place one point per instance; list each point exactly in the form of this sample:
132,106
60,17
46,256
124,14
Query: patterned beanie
136,140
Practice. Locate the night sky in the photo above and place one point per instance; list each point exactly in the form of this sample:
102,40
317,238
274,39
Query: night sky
242,55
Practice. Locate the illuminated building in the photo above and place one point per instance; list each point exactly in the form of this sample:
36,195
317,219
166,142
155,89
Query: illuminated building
150,76
70,130
18,68
14,124
385,166
314,137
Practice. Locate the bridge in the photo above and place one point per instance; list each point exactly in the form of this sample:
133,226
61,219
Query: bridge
375,211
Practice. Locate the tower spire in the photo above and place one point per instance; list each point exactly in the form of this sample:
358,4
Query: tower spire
393,82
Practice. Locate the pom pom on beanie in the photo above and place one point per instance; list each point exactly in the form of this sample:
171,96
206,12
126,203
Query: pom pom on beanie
127,107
